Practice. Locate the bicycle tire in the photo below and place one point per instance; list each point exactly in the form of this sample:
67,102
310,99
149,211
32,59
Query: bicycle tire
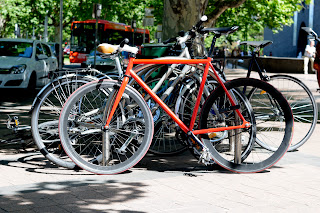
81,128
259,158
303,105
45,117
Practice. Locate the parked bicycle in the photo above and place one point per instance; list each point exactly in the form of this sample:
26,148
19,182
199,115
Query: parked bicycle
299,96
48,103
106,126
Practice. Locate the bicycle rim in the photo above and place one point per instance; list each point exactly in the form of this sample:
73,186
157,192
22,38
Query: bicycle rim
119,147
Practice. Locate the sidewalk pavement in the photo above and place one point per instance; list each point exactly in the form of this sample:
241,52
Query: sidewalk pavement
29,183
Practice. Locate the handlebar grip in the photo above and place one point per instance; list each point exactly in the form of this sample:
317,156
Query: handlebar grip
125,41
202,20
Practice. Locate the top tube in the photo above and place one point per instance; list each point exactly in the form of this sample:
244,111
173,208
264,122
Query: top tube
172,61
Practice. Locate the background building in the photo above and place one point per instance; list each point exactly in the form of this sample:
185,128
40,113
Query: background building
292,39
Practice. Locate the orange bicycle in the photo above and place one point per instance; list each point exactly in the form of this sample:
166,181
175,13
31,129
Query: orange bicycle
106,126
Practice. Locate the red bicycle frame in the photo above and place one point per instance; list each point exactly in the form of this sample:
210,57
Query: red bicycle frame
207,63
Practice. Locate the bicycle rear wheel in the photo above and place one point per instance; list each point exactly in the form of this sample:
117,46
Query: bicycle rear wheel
273,110
115,149
303,105
45,117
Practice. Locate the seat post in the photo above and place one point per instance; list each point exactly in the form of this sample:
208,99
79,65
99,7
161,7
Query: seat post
213,43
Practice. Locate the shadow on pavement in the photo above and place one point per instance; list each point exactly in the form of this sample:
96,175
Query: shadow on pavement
74,196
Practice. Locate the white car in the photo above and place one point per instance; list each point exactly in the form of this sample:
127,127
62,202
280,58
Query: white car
25,63
102,64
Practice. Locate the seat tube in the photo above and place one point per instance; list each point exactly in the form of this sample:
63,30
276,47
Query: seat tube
203,81
120,92
227,93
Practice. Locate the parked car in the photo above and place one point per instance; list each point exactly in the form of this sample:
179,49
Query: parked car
55,50
25,63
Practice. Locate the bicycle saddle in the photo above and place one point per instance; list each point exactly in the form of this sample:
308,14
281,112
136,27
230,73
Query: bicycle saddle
255,44
107,48
220,30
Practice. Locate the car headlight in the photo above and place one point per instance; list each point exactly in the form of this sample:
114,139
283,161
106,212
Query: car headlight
18,69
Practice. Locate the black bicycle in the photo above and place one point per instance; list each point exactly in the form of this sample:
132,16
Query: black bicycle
299,96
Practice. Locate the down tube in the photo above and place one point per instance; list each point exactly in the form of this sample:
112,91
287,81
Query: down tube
159,101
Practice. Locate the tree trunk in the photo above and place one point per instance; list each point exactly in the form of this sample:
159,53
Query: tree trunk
57,34
181,15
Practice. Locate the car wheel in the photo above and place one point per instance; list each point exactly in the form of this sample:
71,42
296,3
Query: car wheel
32,82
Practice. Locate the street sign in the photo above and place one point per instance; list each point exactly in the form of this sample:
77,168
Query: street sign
148,11
148,17
148,21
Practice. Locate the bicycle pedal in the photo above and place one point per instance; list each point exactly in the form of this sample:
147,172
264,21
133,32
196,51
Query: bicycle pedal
13,122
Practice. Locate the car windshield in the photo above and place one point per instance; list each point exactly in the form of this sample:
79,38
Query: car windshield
15,49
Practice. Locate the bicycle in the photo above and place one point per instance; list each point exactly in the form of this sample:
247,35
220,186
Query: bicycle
50,99
122,125
299,96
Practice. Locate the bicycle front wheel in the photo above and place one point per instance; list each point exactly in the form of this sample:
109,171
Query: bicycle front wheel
273,110
115,149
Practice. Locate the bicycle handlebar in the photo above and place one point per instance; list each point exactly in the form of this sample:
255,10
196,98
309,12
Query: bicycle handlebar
125,41
200,22
311,32
183,37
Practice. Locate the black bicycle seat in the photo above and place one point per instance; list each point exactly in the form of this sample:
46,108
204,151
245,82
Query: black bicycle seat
255,44
220,30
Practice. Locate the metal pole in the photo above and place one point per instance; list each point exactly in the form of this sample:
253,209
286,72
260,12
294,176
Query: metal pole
33,35
60,46
95,38
97,13
46,27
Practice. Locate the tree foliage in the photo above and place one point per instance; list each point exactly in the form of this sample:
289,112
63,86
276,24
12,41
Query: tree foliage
251,15
31,14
